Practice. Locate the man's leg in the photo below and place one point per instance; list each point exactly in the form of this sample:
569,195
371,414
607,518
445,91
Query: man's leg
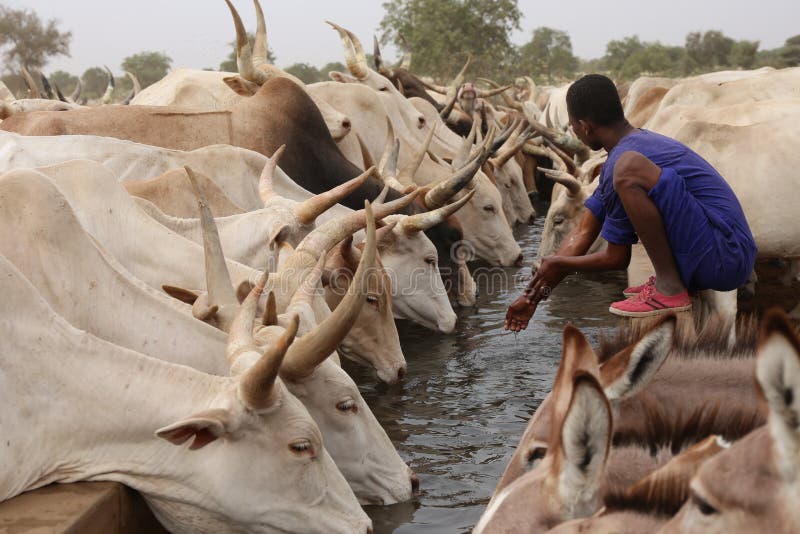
634,176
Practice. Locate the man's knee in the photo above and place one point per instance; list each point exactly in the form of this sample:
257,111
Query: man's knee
634,169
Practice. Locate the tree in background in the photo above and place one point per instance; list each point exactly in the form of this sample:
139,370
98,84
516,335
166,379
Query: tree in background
28,41
307,73
629,57
229,65
65,81
790,52
95,80
709,50
442,32
548,53
330,67
743,54
149,67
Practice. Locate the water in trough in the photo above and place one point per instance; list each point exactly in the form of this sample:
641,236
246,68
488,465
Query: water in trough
463,406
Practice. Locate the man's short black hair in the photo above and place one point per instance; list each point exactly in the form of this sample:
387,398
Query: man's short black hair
594,97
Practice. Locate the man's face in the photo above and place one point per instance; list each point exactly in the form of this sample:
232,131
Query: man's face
585,131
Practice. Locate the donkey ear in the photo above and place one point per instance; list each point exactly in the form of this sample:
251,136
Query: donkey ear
585,442
778,374
627,372
204,427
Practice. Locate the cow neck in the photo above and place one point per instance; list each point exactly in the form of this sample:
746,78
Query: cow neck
106,430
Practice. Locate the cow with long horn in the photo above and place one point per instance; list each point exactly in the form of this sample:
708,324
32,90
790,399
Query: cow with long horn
407,84
255,70
234,437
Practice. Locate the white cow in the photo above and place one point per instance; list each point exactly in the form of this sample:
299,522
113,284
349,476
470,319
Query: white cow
251,441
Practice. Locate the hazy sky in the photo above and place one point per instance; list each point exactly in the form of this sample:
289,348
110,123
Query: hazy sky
195,33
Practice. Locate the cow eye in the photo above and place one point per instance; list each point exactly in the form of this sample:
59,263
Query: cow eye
302,447
430,260
702,505
558,219
346,406
372,300
489,208
534,455
383,88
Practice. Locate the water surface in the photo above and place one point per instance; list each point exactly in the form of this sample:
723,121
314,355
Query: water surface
463,406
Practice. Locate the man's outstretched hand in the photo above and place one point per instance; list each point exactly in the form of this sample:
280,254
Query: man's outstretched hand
519,313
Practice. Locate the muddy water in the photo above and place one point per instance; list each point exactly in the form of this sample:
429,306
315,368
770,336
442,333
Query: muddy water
461,409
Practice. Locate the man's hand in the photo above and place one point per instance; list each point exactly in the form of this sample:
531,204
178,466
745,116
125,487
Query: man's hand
519,313
546,277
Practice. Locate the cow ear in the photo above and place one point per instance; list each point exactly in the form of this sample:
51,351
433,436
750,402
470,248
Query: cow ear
778,374
243,290
629,371
240,86
202,310
184,295
279,234
341,77
203,428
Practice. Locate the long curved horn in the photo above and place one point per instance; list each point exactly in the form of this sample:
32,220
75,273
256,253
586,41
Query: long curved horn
331,232
310,209
76,93
376,52
308,351
354,54
265,189
244,57
405,63
218,280
240,334
257,386
388,147
510,102
464,150
59,94
34,91
366,157
570,182
423,221
439,194
511,146
109,88
441,89
480,93
410,169
48,89
134,90
260,50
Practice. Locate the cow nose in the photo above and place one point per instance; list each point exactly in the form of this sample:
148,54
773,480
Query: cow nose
369,530
346,124
401,373
519,260
414,484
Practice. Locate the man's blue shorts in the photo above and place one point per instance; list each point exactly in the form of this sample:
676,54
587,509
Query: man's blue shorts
710,252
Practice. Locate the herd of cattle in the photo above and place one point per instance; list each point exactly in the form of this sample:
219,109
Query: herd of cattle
244,215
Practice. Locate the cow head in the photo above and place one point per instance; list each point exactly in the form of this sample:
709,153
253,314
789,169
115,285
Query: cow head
354,438
255,70
413,263
257,427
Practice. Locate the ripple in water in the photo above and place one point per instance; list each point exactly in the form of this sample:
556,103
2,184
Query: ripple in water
459,413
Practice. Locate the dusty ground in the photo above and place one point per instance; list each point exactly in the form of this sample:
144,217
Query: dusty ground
770,290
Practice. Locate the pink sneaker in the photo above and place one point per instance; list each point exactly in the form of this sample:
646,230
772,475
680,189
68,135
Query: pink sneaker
650,302
635,290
